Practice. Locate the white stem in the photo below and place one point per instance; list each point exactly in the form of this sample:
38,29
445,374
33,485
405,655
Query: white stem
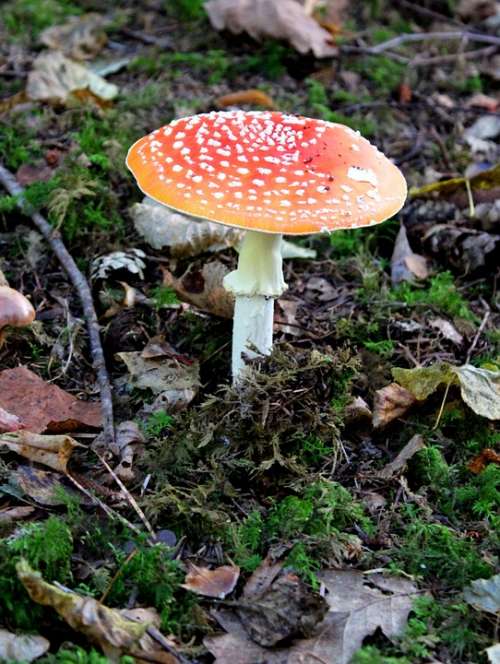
252,325
256,282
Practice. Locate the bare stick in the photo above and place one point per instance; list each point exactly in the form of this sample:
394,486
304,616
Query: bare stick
478,334
430,36
53,237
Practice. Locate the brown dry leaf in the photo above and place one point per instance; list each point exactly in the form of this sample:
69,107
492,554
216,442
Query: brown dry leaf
43,486
52,451
128,442
9,422
415,444
29,173
21,647
55,78
44,407
203,288
479,462
267,18
185,236
10,514
250,97
480,100
359,605
357,410
405,263
176,383
448,330
80,38
217,582
114,632
389,403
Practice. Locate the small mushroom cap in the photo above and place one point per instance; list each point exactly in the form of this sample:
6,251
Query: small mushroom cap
15,309
269,172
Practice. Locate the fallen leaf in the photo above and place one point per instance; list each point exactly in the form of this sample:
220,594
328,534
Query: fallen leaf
248,97
55,79
357,410
131,261
115,633
53,451
447,330
484,180
10,514
184,236
80,38
43,486
421,382
389,403
217,582
21,647
415,444
493,653
481,100
175,382
484,594
203,288
405,263
286,312
128,441
359,605
480,388
29,173
41,406
267,18
479,462
9,422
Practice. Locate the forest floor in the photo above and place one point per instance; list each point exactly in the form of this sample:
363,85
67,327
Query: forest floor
294,480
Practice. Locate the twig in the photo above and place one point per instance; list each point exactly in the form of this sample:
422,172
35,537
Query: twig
158,636
478,334
445,59
128,495
80,283
430,36
161,42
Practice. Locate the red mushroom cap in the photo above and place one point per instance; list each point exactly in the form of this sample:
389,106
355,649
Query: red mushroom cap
15,309
268,171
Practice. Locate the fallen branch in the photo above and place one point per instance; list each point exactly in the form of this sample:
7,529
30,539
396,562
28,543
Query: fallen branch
431,36
52,236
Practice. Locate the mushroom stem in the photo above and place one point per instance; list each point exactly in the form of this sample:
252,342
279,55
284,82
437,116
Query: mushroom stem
255,284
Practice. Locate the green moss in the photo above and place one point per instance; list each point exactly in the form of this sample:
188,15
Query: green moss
311,520
17,143
318,102
384,348
80,656
267,60
442,294
481,496
372,655
164,296
431,468
386,74
186,10
157,423
25,19
47,546
434,551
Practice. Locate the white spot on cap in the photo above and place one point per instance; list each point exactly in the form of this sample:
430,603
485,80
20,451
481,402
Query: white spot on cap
362,175
258,183
243,171
176,168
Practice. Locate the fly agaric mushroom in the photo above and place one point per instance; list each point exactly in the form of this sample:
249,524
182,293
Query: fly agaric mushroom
271,174
15,310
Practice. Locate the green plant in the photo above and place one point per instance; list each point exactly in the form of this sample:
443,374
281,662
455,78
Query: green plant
157,423
267,60
372,655
164,296
482,494
187,10
385,73
441,294
80,656
384,348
